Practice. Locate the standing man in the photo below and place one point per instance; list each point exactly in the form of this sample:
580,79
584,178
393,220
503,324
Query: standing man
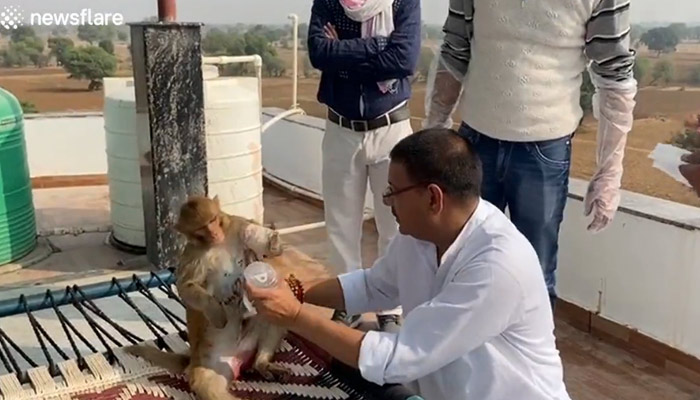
366,51
518,64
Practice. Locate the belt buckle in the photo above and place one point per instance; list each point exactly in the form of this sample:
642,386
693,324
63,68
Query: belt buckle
363,123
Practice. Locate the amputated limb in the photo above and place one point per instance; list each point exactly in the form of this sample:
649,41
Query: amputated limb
444,87
264,242
613,106
208,385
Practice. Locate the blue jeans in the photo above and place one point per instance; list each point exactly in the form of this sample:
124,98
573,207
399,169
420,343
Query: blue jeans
531,179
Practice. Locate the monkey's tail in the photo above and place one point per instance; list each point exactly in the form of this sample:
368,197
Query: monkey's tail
173,362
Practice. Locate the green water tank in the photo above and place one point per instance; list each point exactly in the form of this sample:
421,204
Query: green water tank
17,219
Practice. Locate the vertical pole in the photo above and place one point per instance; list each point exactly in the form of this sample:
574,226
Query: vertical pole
167,10
295,38
169,93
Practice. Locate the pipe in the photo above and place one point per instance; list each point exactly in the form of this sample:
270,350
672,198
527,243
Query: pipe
314,225
254,58
295,76
281,116
40,301
167,10
73,230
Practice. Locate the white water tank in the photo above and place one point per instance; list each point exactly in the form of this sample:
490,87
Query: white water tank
232,110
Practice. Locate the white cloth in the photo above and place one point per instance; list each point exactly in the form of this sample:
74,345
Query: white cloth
350,159
479,326
667,158
377,19
613,103
524,77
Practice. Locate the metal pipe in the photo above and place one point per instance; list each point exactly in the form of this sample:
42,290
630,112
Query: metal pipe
313,225
167,10
280,117
295,76
40,301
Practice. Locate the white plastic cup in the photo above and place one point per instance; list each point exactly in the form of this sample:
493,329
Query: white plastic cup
261,275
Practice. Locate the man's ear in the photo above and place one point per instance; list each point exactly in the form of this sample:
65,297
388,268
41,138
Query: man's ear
437,198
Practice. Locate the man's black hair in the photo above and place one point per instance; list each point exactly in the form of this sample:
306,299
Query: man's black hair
441,157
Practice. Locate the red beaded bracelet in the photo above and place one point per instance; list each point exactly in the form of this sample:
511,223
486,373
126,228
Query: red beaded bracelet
296,286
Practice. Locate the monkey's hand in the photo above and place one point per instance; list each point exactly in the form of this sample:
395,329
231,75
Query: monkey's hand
216,314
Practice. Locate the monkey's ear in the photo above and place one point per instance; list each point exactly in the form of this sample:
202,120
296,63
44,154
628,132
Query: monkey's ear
216,201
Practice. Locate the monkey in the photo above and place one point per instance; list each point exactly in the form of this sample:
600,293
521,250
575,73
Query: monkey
209,281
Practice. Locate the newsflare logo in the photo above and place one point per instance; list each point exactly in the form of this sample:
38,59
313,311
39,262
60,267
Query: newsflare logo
12,17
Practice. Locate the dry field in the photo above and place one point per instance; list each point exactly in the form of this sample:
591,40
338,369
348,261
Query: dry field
658,115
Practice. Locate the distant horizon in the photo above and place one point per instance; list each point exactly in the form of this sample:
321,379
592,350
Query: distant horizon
275,12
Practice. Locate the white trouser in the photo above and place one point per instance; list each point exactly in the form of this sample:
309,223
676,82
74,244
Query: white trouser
349,159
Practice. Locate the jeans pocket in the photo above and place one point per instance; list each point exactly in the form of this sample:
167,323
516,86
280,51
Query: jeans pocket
555,152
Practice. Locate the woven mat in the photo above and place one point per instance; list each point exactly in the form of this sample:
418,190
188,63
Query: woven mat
314,376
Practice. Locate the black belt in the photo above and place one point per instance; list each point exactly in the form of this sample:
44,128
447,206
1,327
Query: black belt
397,115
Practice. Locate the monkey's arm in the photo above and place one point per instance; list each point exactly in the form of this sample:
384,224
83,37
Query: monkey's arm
190,286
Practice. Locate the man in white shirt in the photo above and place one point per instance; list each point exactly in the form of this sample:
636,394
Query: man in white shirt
477,319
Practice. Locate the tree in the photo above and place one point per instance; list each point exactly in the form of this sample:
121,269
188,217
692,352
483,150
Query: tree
59,46
90,62
95,33
303,31
107,45
680,29
660,40
308,69
636,32
587,92
28,107
23,53
662,72
59,30
22,33
122,36
641,69
695,75
273,66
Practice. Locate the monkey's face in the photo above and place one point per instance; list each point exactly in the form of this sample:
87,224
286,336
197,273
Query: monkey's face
212,233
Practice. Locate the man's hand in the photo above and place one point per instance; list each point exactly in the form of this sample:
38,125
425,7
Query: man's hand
692,158
691,171
277,304
330,32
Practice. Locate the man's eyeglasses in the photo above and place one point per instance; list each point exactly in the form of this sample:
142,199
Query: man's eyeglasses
389,192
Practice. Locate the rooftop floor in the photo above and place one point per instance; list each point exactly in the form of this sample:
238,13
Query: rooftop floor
594,370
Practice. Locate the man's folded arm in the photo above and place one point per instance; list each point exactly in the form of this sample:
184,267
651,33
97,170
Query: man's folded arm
336,55
477,305
399,58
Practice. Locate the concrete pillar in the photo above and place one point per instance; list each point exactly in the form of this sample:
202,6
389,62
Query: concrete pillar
167,64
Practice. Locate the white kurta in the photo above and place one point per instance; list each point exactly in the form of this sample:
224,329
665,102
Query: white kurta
478,327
